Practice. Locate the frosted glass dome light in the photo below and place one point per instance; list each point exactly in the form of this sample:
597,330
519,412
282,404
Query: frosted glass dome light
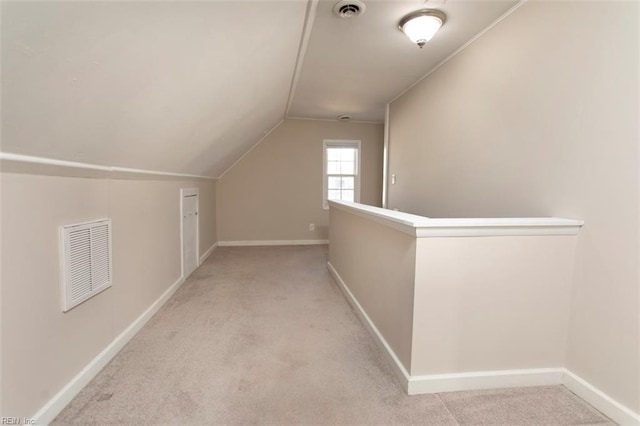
422,25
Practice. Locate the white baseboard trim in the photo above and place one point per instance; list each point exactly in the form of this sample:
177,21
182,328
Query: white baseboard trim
411,384
449,382
208,253
489,379
397,366
56,404
475,380
600,400
272,243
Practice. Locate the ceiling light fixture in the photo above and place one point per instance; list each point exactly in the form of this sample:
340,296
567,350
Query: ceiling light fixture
421,26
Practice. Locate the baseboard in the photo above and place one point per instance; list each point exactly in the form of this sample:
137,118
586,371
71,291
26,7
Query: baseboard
208,253
475,380
56,404
600,400
411,384
449,382
397,366
272,243
490,379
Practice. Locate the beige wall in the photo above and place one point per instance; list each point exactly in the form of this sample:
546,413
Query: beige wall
275,191
43,348
384,289
540,117
457,304
491,303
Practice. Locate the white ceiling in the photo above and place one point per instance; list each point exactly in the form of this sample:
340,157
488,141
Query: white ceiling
355,66
189,87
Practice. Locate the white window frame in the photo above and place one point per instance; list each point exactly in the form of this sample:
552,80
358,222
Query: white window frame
346,143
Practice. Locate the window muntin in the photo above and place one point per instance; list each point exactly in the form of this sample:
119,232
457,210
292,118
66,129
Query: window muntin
341,171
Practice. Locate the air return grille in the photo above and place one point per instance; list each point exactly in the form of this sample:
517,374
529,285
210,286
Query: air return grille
86,261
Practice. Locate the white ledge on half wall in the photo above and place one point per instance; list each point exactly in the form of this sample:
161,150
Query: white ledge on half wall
421,227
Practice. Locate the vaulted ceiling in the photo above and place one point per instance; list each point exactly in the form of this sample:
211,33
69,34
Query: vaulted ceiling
188,87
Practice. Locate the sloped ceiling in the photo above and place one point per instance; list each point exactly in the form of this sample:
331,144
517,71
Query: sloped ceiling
172,86
189,87
355,66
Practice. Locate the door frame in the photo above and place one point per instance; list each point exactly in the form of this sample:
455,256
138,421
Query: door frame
185,192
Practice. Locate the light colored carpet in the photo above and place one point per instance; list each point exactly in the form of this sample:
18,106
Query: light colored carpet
262,335
541,405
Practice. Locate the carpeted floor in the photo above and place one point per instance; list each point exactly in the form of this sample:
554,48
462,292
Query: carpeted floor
262,335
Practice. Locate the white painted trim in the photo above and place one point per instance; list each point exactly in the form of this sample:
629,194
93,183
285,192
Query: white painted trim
113,170
187,192
434,383
600,400
385,159
56,404
334,120
475,380
51,162
403,222
345,143
422,227
207,253
125,170
461,48
252,148
272,243
499,230
393,360
309,19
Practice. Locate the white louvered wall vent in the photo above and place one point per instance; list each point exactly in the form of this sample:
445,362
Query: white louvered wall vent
86,261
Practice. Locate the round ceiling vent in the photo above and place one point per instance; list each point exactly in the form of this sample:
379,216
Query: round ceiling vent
344,117
349,8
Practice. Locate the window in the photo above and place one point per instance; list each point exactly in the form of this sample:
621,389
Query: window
341,179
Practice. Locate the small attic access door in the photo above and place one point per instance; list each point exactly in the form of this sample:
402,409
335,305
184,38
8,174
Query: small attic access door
189,230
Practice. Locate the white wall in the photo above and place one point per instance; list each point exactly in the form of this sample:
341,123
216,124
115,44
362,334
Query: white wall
540,117
178,86
43,348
